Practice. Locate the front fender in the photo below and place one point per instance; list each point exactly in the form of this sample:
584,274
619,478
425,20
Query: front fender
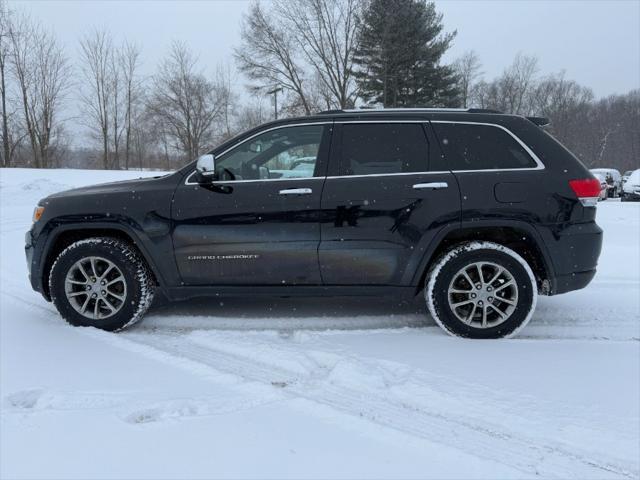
151,237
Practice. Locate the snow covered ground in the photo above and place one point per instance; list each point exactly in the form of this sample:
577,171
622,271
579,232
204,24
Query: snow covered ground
317,388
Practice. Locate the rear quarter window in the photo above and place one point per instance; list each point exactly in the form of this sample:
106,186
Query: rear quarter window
479,147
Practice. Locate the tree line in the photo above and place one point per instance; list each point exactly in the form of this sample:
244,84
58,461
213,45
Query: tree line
311,55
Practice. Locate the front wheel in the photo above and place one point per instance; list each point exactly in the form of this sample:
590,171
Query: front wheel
481,290
102,283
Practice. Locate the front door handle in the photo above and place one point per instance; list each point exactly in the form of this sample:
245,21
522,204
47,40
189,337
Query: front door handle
430,186
296,191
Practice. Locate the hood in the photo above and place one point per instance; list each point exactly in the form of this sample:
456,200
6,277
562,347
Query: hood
104,188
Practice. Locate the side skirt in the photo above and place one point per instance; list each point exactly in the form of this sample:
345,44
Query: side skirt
183,293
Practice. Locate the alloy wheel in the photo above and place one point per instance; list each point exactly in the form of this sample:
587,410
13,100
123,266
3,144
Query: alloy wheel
95,287
483,294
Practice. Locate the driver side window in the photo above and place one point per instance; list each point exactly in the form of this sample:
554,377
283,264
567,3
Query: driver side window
288,152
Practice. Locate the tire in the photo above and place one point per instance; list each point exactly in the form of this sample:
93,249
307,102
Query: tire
119,286
448,286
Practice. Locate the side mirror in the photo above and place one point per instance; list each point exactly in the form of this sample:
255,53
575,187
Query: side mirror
206,168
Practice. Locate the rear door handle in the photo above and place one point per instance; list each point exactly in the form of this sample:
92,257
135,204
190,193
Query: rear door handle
296,191
430,186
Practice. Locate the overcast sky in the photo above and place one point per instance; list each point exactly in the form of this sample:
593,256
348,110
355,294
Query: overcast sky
597,43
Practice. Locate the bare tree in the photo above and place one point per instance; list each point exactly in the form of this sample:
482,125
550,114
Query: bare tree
600,132
11,137
112,94
42,72
253,114
129,63
305,47
224,86
513,91
117,107
566,104
326,32
609,132
269,55
4,54
517,82
185,103
97,67
467,68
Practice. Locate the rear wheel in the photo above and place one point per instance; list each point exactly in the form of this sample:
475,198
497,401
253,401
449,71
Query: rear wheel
481,290
101,282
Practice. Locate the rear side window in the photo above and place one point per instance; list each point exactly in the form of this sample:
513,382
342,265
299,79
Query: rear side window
479,147
383,148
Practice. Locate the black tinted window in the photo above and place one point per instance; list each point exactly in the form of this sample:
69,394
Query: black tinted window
479,147
378,148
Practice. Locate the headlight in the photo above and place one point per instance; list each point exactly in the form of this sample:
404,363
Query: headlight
37,213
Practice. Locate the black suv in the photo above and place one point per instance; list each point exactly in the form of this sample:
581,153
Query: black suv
478,210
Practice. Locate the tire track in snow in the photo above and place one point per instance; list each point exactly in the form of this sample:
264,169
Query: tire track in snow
485,441
135,409
405,416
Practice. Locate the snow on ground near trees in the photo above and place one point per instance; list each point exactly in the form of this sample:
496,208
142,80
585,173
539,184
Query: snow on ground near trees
317,388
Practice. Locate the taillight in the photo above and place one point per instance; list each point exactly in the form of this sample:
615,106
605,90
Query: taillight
587,190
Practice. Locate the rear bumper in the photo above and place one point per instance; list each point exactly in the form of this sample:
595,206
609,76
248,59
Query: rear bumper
574,252
573,281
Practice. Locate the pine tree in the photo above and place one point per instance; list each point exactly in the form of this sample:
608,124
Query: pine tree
400,47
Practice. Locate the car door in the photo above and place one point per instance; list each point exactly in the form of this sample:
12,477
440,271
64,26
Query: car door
381,206
258,224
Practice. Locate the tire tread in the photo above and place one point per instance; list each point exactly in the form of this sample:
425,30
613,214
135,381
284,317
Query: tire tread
143,274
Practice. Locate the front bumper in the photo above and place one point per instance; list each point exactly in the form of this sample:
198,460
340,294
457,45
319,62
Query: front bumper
28,250
633,195
33,251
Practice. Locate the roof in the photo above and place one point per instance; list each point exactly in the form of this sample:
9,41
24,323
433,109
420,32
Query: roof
363,112
409,110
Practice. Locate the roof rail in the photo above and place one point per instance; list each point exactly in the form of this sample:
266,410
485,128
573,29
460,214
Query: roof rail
382,110
483,110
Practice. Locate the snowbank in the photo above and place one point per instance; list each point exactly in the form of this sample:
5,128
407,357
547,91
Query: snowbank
299,388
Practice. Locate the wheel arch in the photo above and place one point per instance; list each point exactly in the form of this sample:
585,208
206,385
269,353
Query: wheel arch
64,235
520,237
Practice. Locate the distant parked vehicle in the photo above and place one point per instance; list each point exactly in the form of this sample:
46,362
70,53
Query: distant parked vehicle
603,186
301,168
625,176
614,180
631,188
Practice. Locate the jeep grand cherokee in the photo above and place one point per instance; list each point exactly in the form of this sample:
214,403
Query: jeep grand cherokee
478,211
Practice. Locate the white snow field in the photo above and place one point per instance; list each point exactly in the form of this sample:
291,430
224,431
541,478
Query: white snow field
317,388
